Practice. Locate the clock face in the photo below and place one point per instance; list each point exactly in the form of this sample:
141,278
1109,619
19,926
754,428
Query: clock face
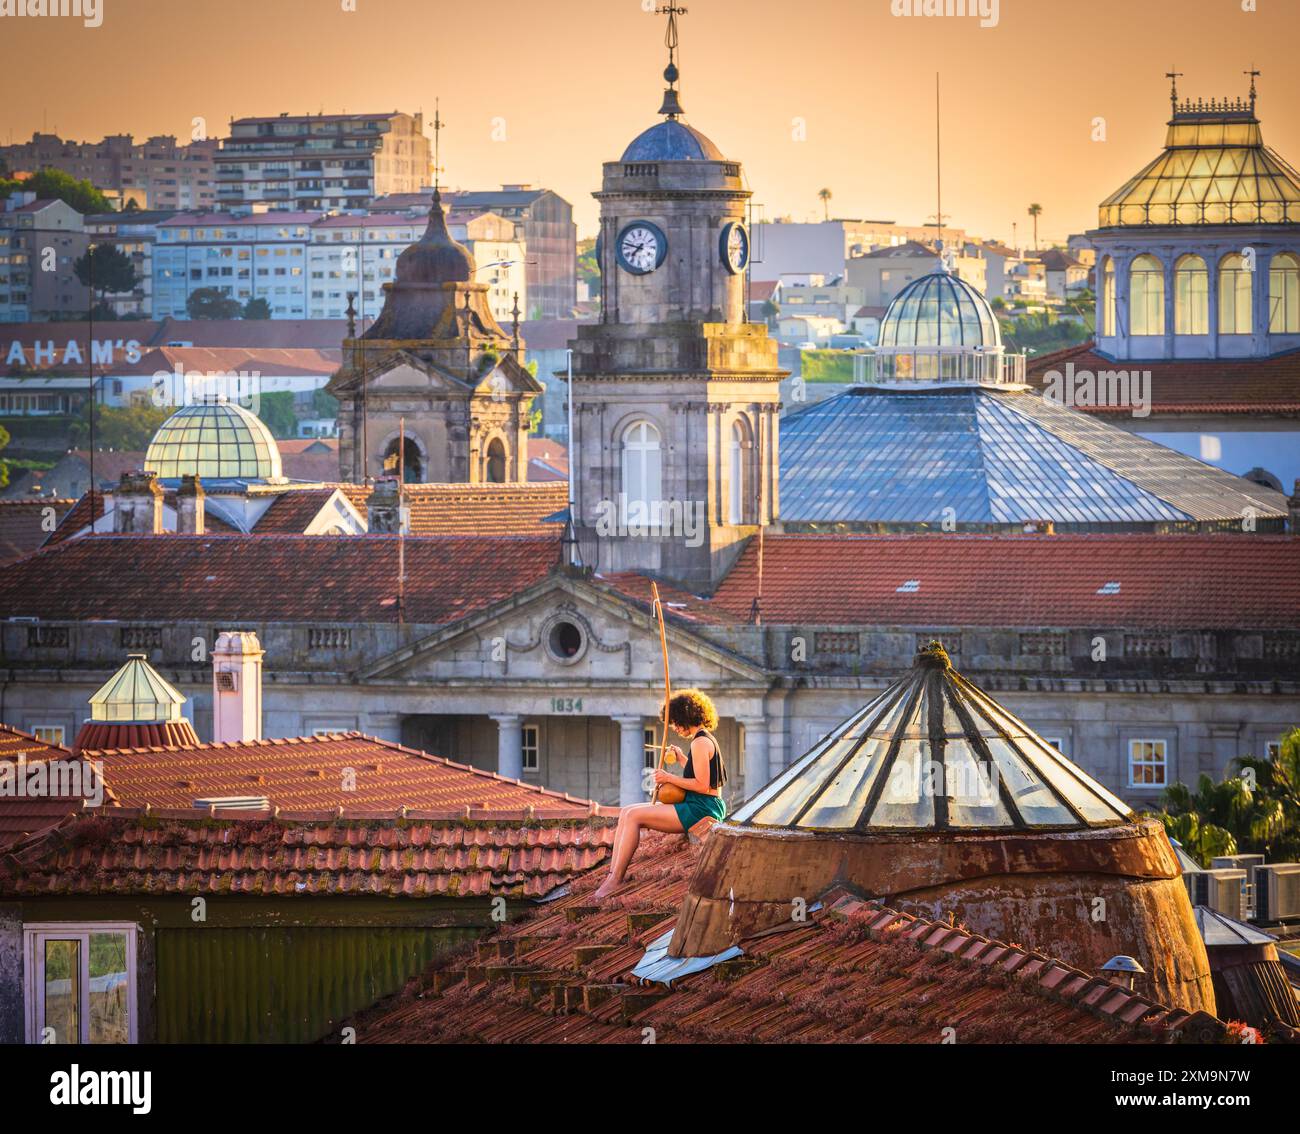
641,247
735,247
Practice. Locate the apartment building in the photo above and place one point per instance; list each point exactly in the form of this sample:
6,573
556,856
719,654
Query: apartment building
250,256
40,241
346,252
882,274
158,173
321,161
784,249
133,233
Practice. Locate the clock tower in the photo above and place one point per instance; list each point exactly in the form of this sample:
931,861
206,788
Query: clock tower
675,393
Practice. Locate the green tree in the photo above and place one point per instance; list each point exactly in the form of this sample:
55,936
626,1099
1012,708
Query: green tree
324,404
129,427
212,303
256,308
276,411
108,268
588,265
54,184
825,195
1277,780
4,466
1035,211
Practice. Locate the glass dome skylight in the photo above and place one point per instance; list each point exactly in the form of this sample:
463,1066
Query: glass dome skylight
216,441
932,752
137,692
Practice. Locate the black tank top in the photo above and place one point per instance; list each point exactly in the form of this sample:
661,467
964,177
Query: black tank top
717,770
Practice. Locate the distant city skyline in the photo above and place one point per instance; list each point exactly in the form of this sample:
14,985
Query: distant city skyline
837,94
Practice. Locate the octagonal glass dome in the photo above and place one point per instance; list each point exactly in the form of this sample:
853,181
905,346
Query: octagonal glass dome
940,309
216,441
933,752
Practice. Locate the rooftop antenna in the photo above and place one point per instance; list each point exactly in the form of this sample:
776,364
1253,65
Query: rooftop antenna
437,145
938,166
672,106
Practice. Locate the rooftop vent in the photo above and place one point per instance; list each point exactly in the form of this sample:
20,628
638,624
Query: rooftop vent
233,803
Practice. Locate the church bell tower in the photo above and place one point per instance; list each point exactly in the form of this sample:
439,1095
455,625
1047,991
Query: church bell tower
675,393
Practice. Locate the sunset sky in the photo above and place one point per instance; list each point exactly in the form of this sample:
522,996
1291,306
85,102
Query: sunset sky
575,80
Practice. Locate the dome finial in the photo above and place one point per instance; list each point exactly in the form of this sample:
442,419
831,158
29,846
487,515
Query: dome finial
672,106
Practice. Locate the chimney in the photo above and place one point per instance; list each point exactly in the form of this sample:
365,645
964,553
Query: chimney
137,504
384,514
190,507
237,687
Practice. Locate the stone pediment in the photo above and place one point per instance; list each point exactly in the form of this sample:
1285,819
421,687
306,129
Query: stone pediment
508,377
565,631
406,372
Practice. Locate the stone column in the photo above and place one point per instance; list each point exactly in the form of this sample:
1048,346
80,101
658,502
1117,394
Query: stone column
631,760
510,745
757,769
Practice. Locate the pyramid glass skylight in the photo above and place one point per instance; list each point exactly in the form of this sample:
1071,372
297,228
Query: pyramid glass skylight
933,752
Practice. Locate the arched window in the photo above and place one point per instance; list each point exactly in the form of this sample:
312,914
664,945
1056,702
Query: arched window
736,486
642,473
1236,305
1108,297
495,470
1146,297
409,465
1191,296
1284,294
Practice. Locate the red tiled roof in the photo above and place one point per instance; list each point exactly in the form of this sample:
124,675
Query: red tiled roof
279,577
278,361
853,972
305,773
418,855
1184,581
291,512
22,816
1221,385
78,517
22,524
547,460
479,509
760,291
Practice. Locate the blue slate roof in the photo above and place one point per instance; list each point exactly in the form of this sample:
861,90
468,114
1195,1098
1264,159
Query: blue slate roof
671,140
876,455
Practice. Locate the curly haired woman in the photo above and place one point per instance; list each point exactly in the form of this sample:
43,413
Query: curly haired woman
691,715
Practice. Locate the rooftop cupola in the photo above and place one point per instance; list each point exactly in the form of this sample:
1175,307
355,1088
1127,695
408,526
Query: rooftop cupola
136,708
936,799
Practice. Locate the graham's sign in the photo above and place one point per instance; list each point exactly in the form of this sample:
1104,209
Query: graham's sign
103,352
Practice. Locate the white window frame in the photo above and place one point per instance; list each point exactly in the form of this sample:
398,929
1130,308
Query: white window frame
1159,743
642,471
36,933
1057,742
530,745
37,729
650,746
736,475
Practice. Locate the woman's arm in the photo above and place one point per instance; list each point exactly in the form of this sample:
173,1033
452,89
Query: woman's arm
701,757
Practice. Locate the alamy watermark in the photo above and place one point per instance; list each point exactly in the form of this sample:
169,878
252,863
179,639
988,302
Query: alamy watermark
52,779
684,519
1114,389
986,11
89,12
172,389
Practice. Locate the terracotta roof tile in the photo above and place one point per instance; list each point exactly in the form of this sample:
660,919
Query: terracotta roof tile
478,509
22,524
1184,581
281,577
854,972
1221,385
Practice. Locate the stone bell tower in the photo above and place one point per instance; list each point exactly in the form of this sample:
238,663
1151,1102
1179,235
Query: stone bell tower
675,393
437,371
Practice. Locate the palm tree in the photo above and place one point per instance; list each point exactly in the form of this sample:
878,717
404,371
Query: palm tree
825,195
1035,211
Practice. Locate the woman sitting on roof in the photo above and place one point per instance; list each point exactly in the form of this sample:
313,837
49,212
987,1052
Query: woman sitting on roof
691,714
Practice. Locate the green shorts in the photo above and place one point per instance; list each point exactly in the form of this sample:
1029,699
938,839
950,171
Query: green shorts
696,806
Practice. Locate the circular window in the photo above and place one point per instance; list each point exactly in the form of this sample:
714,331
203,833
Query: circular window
565,641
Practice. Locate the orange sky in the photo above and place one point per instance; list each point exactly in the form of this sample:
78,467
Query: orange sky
575,80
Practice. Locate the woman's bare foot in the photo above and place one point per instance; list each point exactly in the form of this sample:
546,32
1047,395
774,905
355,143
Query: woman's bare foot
604,890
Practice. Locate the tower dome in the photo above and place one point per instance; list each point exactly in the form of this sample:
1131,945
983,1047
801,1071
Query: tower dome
215,441
435,258
671,140
940,309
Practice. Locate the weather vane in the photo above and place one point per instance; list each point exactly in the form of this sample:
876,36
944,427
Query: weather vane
1173,77
1254,74
672,106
